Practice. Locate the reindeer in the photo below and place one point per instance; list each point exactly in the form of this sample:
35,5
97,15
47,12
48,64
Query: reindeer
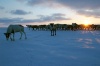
12,29
53,29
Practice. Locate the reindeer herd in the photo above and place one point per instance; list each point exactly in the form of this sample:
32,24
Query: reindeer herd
12,29
72,27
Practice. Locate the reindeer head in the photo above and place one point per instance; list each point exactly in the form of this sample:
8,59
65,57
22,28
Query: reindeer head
7,35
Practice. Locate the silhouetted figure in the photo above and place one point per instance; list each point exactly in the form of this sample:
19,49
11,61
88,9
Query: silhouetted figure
53,29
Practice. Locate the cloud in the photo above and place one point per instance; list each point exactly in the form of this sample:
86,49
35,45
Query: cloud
76,4
90,13
41,18
53,17
58,14
10,20
19,12
39,2
73,4
17,20
1,7
90,4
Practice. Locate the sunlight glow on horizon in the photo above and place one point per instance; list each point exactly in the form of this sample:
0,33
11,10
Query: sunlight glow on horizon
86,22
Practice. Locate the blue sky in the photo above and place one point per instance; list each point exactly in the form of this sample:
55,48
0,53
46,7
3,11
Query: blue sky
47,11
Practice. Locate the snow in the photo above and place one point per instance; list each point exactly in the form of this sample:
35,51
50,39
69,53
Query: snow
67,48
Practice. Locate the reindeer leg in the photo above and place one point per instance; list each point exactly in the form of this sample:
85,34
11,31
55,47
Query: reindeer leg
21,35
51,32
13,37
55,32
25,35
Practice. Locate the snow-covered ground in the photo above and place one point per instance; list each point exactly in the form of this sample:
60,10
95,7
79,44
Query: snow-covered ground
68,48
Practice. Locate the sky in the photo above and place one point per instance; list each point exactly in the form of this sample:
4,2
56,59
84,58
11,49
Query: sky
37,12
